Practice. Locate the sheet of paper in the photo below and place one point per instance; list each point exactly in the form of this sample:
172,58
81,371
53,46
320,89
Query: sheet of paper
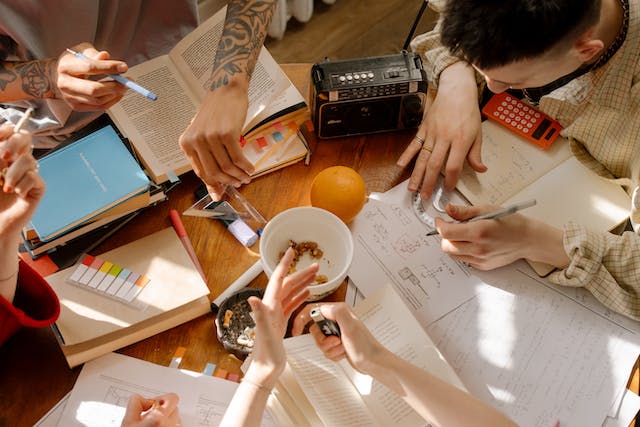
628,410
52,418
104,386
391,245
518,343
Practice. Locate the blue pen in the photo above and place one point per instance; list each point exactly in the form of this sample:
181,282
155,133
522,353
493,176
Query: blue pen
121,79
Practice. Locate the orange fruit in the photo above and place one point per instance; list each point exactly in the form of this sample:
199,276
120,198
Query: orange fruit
340,190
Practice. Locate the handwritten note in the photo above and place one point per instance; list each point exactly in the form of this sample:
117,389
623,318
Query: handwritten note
392,244
518,343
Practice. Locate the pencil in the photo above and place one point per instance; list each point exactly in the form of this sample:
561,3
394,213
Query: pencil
23,120
121,79
509,210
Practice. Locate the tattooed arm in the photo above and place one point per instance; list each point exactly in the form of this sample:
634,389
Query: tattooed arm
65,77
211,140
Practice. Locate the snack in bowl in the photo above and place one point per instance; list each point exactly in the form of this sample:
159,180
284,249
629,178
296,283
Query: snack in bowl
311,225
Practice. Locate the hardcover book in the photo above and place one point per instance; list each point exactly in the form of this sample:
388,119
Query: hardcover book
84,179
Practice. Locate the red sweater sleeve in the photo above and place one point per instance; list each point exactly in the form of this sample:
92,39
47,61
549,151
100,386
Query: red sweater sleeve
35,304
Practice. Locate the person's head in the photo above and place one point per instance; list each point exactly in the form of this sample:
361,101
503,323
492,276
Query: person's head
522,43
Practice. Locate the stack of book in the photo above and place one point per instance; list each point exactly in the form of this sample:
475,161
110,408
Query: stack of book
91,182
96,180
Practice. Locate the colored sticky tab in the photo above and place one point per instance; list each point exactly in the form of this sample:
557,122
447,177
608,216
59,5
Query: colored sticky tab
127,285
81,268
292,126
220,373
262,142
277,136
173,178
117,283
243,141
208,370
177,357
309,125
100,274
234,377
91,271
137,288
109,277
278,126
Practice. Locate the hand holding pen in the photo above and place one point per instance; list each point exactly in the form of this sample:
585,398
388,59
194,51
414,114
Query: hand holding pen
499,213
76,79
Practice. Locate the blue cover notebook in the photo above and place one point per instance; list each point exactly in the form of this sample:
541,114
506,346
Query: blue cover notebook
84,179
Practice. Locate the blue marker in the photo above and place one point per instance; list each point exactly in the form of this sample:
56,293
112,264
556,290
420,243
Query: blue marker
121,79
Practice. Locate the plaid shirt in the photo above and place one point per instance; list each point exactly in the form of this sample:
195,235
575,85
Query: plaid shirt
600,112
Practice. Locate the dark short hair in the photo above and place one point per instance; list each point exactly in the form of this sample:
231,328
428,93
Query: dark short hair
493,33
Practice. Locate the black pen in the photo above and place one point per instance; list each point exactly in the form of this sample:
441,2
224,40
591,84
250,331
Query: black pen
509,210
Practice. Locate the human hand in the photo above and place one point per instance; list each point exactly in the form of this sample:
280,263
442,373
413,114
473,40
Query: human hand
160,411
450,131
492,243
211,141
355,343
284,294
74,83
23,187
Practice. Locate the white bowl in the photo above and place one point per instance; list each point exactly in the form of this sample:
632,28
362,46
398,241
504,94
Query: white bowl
310,224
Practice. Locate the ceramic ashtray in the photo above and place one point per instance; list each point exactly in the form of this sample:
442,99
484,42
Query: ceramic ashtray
235,324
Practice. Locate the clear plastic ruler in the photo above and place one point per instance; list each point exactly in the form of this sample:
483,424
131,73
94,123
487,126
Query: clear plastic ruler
438,200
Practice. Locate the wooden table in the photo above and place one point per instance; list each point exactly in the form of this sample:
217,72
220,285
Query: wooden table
34,375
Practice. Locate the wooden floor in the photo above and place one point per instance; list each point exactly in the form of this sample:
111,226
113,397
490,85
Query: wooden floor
350,29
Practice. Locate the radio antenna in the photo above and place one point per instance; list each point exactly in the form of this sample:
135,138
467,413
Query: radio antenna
415,24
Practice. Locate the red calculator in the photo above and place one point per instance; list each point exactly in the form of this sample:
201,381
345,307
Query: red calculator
523,119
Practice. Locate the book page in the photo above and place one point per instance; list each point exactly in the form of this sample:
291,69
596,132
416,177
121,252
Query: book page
571,192
104,386
325,385
513,163
194,57
389,320
154,127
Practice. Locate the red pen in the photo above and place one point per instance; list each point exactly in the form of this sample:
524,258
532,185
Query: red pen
182,234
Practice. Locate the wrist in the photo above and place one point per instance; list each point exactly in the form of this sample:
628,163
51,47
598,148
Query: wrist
262,375
545,244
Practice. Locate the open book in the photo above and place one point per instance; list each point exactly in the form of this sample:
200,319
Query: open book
104,386
314,391
181,80
92,324
564,189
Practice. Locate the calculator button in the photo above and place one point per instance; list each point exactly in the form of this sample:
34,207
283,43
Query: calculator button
537,115
533,120
508,98
508,120
525,130
529,125
495,113
520,127
504,104
514,102
528,117
500,108
513,123
501,116
512,115
517,119
521,113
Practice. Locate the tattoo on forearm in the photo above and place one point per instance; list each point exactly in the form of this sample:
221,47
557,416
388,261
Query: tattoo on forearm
36,79
244,32
7,75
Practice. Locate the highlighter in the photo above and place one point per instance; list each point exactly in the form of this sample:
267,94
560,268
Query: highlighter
236,226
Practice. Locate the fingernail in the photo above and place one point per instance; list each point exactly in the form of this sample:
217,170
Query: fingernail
453,209
122,68
6,155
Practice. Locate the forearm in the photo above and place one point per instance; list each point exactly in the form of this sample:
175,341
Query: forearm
243,34
438,402
27,80
8,266
249,401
